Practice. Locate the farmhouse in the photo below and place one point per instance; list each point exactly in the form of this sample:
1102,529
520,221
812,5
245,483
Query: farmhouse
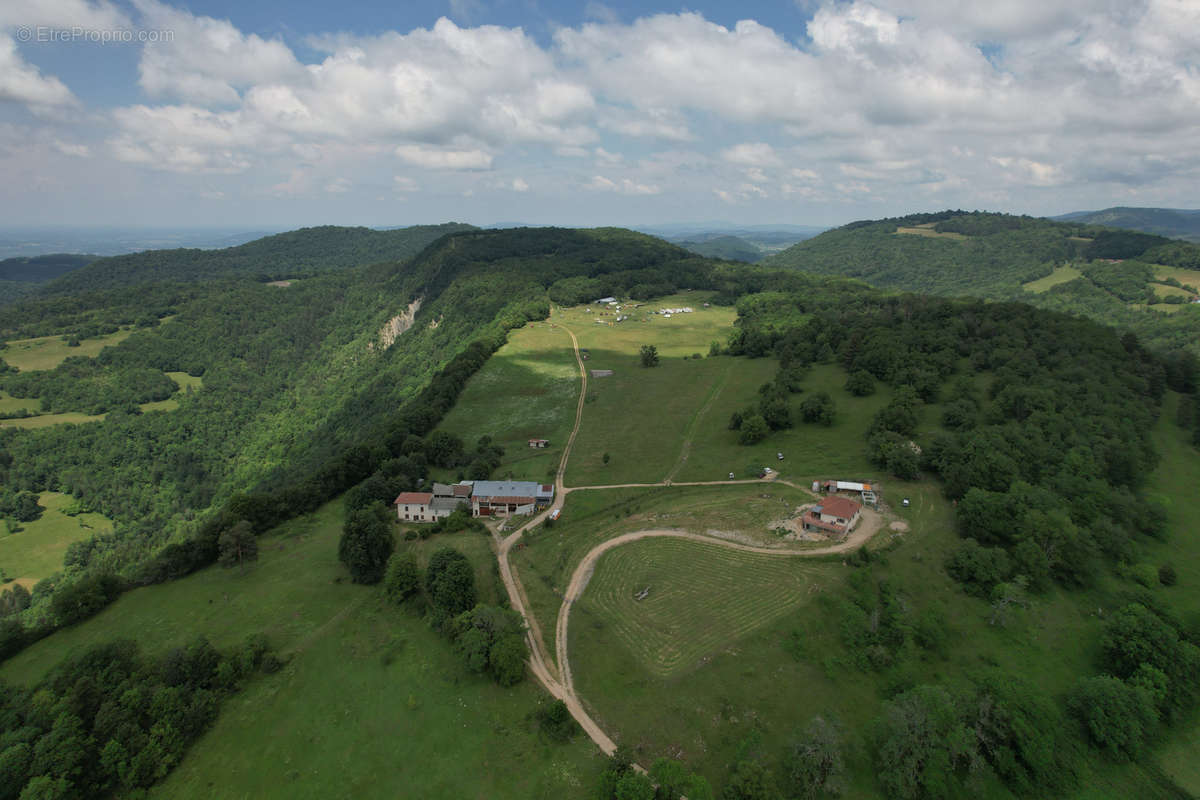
414,507
835,515
484,498
505,498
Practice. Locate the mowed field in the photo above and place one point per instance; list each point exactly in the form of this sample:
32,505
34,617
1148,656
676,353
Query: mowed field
547,557
36,551
47,352
1063,274
700,598
527,390
372,703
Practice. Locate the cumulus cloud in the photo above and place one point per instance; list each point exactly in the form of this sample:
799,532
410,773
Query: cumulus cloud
879,99
208,60
753,154
623,186
22,82
438,158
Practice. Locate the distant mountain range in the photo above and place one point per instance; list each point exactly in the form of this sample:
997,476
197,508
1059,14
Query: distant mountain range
1177,223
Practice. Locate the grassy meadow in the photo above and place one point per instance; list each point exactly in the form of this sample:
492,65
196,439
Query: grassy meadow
371,703
548,555
47,352
1188,277
701,598
527,390
7,403
36,551
1063,274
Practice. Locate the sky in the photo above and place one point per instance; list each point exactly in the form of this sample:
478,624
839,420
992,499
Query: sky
281,113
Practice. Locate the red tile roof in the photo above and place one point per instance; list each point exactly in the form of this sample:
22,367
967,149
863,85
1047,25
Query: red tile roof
413,498
839,507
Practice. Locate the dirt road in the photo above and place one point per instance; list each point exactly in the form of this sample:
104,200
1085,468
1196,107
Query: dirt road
558,680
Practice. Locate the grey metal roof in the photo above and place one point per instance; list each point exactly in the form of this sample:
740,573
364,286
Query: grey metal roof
509,489
442,490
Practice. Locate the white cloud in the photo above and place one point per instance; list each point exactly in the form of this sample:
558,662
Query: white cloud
403,183
623,186
338,186
519,185
22,82
754,154
72,149
64,14
436,158
208,60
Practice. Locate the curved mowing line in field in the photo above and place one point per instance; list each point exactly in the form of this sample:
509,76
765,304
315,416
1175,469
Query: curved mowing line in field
539,658
702,598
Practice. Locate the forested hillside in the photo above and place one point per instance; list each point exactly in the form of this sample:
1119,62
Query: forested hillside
21,276
286,255
730,248
1122,278
1177,223
301,399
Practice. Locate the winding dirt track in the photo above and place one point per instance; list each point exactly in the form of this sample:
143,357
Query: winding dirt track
558,680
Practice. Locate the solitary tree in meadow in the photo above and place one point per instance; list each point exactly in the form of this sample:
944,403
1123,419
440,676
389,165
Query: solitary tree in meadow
649,355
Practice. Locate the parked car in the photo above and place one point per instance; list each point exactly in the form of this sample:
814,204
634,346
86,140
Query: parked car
904,502
555,513
779,456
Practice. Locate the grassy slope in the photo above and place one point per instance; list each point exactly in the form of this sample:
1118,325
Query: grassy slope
373,703
549,555
37,550
47,352
701,599
528,389
1062,274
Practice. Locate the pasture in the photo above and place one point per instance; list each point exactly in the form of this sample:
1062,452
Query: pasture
700,598
7,403
675,336
371,702
928,231
1188,277
527,390
549,555
1063,274
47,352
10,404
36,551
